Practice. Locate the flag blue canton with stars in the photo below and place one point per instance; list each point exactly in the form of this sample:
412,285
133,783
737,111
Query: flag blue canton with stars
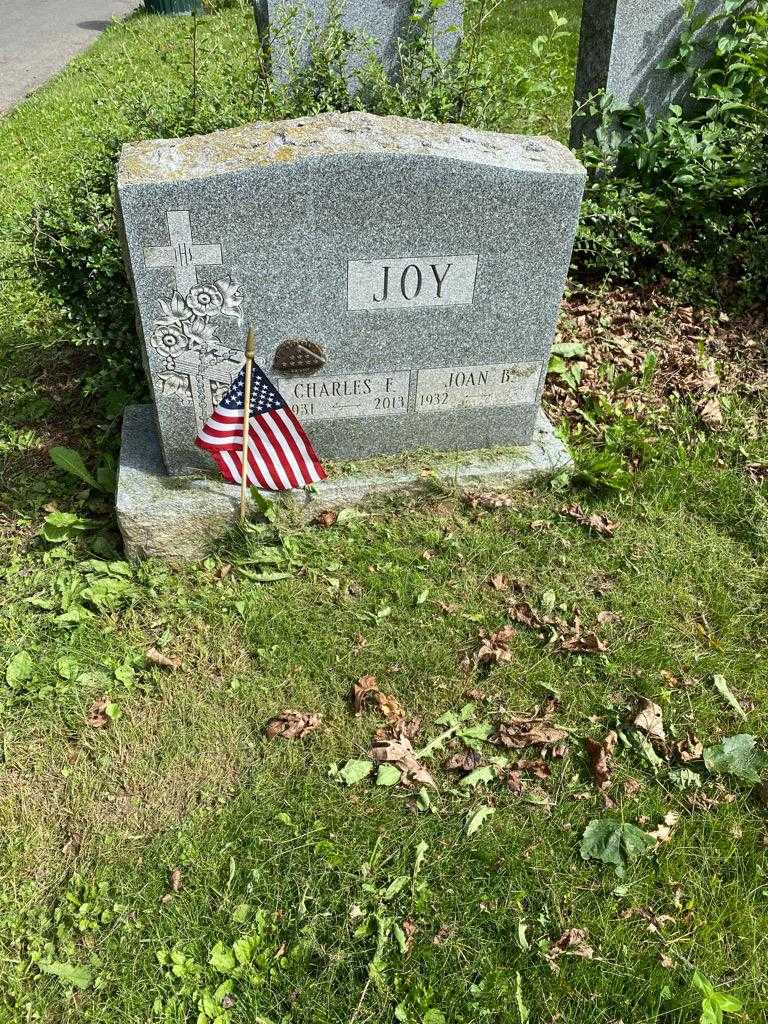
280,455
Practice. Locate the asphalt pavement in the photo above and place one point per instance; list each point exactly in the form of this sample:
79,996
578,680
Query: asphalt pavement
38,37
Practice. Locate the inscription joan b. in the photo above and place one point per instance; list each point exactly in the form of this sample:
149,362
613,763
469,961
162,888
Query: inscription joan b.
411,282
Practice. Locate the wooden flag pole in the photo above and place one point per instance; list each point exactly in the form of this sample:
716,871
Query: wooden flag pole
250,352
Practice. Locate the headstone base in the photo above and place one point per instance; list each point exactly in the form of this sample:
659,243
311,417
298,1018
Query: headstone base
180,518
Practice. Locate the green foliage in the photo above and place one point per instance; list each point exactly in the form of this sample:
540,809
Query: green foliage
617,843
687,196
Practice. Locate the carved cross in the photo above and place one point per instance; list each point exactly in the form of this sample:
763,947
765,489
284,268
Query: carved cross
183,255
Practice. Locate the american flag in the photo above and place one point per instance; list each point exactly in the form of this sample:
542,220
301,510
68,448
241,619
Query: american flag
280,455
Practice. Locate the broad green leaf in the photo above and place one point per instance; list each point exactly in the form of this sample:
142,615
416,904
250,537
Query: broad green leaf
244,948
388,775
71,462
400,939
522,1009
487,773
222,959
77,977
433,1016
478,818
19,669
348,515
738,756
713,1003
614,842
395,886
421,853
355,771
728,696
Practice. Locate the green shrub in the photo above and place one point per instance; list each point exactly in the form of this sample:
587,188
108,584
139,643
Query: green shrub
687,197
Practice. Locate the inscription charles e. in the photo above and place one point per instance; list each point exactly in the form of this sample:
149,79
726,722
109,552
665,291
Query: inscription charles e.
352,396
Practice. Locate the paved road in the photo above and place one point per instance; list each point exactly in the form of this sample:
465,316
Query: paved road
38,37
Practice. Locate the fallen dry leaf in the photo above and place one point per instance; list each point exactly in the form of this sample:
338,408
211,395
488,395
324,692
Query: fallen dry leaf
326,519
688,749
400,752
489,500
519,731
571,943
176,880
97,716
155,657
650,720
606,618
655,921
600,758
494,647
598,522
442,935
663,831
409,928
711,413
583,643
292,725
465,760
499,582
366,692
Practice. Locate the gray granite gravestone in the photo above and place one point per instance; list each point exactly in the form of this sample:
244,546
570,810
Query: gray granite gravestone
291,24
418,267
621,46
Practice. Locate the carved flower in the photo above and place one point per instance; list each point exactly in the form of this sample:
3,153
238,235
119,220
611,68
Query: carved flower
200,334
205,300
231,296
168,340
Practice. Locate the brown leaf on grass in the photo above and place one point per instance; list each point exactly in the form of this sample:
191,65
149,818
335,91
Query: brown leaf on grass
711,413
409,929
442,935
499,582
688,749
526,615
583,643
655,922
465,760
571,943
513,780
490,500
292,725
155,657
97,716
175,885
631,787
606,618
600,758
598,522
326,519
400,753
494,647
405,728
650,720
366,693
663,831
540,769
519,731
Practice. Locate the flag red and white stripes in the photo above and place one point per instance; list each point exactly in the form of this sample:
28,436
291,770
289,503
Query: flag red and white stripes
280,455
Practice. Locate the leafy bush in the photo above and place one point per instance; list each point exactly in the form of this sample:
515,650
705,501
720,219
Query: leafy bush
687,196
71,241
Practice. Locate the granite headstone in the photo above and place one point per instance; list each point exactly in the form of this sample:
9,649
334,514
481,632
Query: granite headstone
290,25
403,278
621,47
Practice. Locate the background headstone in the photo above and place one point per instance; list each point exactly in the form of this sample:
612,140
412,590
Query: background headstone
621,46
425,263
386,22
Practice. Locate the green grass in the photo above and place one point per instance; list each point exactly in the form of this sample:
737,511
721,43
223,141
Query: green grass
185,778
270,844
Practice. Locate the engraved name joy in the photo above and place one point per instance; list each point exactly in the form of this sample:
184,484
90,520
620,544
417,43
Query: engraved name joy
411,282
